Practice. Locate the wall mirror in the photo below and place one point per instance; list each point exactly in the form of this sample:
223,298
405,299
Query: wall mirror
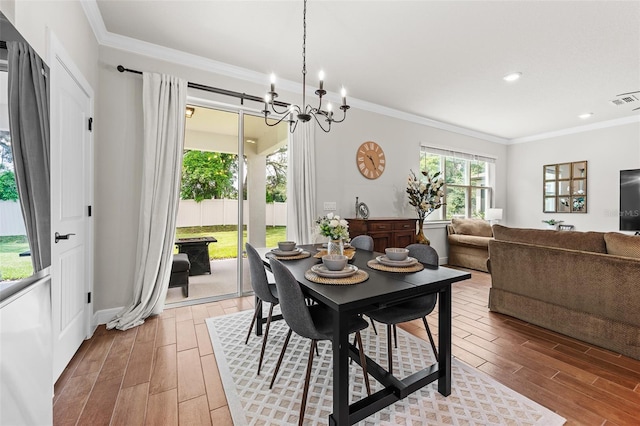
565,187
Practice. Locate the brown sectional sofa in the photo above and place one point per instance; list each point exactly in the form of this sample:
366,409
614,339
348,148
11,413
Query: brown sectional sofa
582,284
469,243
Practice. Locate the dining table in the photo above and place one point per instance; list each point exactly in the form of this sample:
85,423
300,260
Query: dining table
380,290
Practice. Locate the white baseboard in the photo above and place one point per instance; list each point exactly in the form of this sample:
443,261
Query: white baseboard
105,315
443,260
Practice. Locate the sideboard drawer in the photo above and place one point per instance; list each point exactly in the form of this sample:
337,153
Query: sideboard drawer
380,226
404,225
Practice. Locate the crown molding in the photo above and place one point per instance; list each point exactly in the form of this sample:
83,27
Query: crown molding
578,129
128,44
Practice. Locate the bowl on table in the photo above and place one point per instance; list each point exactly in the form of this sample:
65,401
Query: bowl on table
394,253
286,245
334,262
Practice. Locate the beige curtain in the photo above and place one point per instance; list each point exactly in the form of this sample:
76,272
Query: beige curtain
301,182
164,103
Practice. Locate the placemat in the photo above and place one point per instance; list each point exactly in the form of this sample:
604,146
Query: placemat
302,255
348,253
356,278
374,264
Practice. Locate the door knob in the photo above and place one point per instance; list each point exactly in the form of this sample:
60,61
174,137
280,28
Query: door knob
59,237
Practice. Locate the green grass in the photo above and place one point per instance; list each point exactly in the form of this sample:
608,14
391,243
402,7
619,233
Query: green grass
12,266
227,237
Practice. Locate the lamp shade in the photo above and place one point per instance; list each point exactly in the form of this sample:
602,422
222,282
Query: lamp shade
493,214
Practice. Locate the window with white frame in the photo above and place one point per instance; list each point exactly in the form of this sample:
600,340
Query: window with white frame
468,182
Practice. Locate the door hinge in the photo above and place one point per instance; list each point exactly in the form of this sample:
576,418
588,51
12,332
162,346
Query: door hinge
90,124
89,297
89,211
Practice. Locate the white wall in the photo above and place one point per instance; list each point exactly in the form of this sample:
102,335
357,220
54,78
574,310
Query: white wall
607,151
66,20
118,157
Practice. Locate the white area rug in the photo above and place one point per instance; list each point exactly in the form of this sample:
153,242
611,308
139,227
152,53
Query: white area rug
476,399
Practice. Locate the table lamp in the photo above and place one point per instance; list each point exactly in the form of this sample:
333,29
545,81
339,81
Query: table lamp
493,215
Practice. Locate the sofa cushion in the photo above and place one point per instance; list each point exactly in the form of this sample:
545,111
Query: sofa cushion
573,240
622,245
477,227
469,240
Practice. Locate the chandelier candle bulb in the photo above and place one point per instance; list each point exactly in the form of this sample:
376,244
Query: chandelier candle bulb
273,82
321,77
343,93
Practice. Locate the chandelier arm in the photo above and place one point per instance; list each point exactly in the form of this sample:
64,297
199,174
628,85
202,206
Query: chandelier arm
344,115
320,124
284,111
274,124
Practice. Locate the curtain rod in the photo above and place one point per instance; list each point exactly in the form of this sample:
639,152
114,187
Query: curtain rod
241,96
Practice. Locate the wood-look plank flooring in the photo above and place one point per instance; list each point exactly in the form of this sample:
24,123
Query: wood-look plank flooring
165,373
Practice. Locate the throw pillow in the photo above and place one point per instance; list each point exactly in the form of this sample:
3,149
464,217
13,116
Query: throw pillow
622,245
477,227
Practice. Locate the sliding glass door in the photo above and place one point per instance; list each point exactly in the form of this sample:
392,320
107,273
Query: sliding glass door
233,190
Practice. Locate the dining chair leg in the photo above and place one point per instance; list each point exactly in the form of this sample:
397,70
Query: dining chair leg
253,321
303,404
395,336
363,363
373,325
284,349
433,344
389,354
264,338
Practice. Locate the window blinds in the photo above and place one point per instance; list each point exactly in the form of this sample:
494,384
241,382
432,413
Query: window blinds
456,154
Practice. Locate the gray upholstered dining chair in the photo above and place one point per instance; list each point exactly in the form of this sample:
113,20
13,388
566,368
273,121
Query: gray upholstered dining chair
364,242
265,291
413,309
312,322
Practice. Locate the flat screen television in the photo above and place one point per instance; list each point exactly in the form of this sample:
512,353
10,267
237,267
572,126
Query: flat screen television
630,200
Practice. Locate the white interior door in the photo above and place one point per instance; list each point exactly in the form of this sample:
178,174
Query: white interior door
71,193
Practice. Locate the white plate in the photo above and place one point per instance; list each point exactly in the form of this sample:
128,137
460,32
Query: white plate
409,261
279,252
322,271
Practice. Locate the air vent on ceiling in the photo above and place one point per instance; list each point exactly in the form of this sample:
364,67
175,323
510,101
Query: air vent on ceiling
625,99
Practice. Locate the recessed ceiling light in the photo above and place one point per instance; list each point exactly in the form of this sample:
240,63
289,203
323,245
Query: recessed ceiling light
585,116
512,76
250,141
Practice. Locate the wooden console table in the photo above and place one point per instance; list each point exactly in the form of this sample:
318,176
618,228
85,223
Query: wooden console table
385,231
197,249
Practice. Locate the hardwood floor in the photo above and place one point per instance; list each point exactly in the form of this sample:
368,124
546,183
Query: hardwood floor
165,372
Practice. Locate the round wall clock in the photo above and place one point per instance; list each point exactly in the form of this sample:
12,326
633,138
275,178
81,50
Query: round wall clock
370,160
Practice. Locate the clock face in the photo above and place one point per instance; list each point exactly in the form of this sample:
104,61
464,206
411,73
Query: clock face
370,160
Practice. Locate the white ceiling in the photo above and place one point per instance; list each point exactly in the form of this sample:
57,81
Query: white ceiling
441,60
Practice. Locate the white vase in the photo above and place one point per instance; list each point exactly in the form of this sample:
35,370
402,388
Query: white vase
335,246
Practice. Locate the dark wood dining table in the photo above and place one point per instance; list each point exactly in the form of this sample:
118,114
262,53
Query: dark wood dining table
382,289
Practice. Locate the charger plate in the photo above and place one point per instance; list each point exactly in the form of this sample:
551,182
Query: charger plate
374,264
303,255
356,278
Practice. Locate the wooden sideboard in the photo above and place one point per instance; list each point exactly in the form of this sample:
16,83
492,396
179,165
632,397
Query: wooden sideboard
385,231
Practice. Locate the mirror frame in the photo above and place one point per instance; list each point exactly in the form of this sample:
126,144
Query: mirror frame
564,187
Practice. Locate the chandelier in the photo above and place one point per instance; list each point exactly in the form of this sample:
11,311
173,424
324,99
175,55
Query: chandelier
295,113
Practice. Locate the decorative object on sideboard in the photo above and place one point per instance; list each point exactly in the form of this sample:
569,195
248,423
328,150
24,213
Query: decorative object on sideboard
565,187
552,223
362,210
305,111
493,216
425,197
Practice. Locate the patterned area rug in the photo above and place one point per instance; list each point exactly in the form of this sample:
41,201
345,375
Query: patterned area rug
476,399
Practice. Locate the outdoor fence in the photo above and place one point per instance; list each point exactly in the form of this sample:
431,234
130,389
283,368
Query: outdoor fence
11,222
225,212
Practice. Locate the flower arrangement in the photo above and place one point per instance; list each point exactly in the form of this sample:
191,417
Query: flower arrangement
425,196
333,227
552,222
